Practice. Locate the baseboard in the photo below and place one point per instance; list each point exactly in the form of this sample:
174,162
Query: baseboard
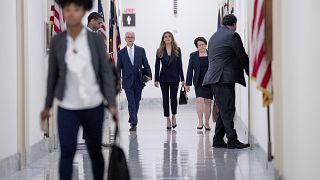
9,165
40,149
259,152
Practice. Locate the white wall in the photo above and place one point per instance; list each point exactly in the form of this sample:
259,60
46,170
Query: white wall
241,12
153,17
8,80
300,78
36,67
277,108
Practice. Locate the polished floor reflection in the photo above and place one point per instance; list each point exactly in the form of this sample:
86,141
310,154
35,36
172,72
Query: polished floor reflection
155,153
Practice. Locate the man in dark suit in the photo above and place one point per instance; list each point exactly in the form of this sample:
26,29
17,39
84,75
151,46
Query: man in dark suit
94,21
227,63
130,62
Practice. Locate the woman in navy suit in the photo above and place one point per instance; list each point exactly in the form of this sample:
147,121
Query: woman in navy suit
198,66
169,56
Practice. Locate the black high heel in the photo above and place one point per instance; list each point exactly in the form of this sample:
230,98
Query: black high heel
200,127
168,127
174,125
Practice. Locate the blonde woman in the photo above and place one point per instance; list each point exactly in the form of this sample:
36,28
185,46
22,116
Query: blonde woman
170,75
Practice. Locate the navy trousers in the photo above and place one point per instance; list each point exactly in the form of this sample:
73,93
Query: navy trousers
68,125
133,98
172,89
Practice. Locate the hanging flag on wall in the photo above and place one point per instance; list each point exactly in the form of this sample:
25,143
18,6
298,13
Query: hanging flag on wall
56,18
261,67
102,30
227,7
114,33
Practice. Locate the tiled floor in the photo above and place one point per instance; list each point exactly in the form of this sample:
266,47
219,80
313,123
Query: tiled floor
155,153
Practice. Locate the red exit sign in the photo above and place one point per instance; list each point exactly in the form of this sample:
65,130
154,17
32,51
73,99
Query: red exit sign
129,11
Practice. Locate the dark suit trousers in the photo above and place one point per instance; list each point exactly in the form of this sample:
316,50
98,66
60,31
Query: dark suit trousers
68,125
224,95
172,88
133,97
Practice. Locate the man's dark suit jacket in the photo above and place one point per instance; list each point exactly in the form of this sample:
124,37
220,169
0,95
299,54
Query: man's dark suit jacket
171,69
227,58
130,73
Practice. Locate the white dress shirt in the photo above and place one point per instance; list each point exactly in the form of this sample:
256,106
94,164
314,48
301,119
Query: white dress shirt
131,54
82,90
89,29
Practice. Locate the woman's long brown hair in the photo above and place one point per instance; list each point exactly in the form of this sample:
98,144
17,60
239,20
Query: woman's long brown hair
162,47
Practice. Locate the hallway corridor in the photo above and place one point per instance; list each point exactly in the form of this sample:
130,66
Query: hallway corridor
155,153
280,103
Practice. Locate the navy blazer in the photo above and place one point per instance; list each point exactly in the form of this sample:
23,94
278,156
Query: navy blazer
130,73
171,68
227,58
194,66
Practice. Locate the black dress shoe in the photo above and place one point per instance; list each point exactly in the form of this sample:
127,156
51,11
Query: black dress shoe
200,127
237,145
174,126
133,128
168,128
219,144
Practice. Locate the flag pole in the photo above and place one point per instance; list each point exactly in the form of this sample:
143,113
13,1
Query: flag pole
270,156
250,140
269,55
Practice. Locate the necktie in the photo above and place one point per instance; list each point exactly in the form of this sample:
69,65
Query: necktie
131,55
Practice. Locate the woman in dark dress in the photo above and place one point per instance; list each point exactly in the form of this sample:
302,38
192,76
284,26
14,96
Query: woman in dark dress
170,75
198,66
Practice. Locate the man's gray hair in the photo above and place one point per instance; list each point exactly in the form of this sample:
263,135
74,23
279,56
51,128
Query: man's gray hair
130,32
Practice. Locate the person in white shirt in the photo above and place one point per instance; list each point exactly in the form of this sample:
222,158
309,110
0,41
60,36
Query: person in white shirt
80,78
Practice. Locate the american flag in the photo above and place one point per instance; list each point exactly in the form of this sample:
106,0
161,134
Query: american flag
114,33
225,9
56,18
102,30
261,67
